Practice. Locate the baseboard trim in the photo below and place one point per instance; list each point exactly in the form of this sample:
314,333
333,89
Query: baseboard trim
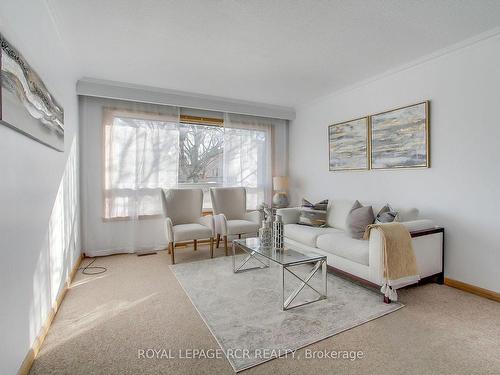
37,344
472,289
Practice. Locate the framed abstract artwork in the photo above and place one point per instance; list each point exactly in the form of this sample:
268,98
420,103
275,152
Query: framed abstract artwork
25,103
348,145
400,138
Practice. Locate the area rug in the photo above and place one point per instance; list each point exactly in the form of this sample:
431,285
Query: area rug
243,310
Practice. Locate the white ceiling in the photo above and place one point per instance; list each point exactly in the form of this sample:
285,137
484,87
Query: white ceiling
271,51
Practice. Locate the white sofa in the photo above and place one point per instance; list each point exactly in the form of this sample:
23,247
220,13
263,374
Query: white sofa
360,258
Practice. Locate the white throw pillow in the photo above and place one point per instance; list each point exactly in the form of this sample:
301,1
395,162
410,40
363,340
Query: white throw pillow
337,213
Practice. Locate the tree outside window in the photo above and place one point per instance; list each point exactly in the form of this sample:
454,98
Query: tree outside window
200,154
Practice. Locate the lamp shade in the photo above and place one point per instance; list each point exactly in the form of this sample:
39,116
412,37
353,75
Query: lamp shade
280,183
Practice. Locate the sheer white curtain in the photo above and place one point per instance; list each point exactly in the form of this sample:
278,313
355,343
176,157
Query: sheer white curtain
141,157
248,156
129,152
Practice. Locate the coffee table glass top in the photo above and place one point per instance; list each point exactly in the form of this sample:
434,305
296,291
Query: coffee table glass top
285,257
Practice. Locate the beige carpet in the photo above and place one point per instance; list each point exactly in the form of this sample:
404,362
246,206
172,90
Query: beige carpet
138,304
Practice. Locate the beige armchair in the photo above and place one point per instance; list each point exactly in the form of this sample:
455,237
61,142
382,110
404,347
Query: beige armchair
230,213
184,221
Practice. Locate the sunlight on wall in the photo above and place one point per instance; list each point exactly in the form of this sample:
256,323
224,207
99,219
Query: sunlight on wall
60,248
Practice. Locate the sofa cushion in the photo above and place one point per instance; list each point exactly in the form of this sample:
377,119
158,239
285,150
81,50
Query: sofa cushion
312,218
337,213
305,234
358,219
313,215
342,245
320,206
403,213
339,209
386,215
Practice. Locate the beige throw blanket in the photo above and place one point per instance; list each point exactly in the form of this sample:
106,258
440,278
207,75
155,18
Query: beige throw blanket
400,265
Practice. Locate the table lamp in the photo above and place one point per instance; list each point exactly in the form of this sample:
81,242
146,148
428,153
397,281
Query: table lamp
280,198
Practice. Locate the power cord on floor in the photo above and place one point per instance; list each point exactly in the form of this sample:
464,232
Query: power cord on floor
97,269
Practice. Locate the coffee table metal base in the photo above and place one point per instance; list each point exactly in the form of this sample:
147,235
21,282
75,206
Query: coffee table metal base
286,301
251,255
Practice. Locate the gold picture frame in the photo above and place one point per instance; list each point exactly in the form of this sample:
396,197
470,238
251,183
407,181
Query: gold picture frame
400,138
353,155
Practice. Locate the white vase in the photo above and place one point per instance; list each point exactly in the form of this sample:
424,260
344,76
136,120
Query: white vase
278,236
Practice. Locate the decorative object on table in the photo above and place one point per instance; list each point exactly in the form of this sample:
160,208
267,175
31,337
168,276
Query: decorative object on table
313,215
400,138
280,198
267,211
278,236
348,145
358,220
25,103
386,215
266,234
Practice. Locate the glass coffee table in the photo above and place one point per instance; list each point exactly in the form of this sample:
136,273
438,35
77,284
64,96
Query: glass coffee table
286,259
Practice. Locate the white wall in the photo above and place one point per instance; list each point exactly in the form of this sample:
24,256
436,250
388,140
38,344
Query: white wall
39,220
461,189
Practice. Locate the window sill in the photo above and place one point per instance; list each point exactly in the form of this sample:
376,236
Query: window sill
130,218
150,217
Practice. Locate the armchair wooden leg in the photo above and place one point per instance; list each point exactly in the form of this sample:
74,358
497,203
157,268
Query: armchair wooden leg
225,245
172,248
211,247
169,248
218,240
195,245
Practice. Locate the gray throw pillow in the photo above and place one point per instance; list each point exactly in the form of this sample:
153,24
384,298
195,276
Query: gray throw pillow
386,215
358,219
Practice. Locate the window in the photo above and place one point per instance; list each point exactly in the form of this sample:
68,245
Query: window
201,157
145,153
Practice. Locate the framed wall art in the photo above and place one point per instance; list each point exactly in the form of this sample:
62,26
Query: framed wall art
348,145
400,138
25,103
